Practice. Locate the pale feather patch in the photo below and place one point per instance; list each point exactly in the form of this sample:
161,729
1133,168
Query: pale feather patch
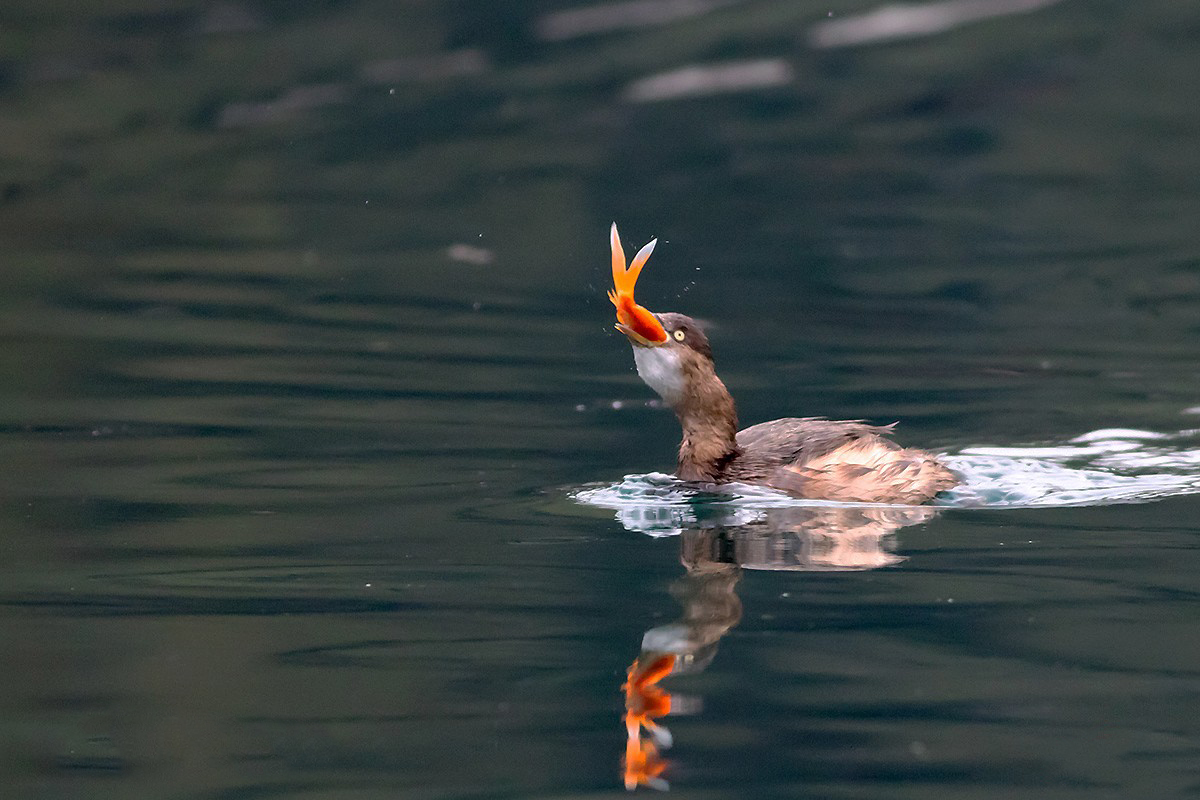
864,453
871,471
662,370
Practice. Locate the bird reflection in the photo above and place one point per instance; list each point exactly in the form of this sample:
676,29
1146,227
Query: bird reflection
804,539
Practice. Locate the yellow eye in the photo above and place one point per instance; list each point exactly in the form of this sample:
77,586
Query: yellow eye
680,336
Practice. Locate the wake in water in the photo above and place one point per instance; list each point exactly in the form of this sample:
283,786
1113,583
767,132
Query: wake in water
1099,468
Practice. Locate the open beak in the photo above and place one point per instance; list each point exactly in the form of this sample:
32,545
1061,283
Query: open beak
641,326
638,338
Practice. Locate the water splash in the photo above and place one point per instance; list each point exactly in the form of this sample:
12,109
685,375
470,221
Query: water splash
1114,465
1104,467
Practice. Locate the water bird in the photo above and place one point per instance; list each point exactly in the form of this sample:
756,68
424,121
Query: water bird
809,457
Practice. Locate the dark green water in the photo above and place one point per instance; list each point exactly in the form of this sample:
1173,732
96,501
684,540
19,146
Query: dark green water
306,354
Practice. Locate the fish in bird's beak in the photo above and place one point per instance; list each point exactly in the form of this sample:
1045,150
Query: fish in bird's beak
641,326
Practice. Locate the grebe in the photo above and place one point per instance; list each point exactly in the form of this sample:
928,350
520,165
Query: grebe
810,457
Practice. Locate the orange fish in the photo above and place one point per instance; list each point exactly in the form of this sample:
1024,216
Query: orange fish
632,320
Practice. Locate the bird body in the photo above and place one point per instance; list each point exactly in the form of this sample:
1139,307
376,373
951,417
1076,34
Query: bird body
846,460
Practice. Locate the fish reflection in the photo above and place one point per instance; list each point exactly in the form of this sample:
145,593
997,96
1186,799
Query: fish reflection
806,539
644,703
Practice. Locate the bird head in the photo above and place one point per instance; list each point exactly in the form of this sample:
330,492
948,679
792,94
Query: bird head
667,347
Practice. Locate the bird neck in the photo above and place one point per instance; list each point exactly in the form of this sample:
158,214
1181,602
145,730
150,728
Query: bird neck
708,417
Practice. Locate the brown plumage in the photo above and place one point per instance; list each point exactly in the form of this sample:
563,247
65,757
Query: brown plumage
810,457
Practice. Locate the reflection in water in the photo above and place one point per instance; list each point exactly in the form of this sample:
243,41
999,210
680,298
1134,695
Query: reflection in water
837,538
644,703
697,80
798,539
909,21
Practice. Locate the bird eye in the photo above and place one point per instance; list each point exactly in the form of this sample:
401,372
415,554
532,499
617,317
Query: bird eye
680,335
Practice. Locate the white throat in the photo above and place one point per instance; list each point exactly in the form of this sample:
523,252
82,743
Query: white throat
662,370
